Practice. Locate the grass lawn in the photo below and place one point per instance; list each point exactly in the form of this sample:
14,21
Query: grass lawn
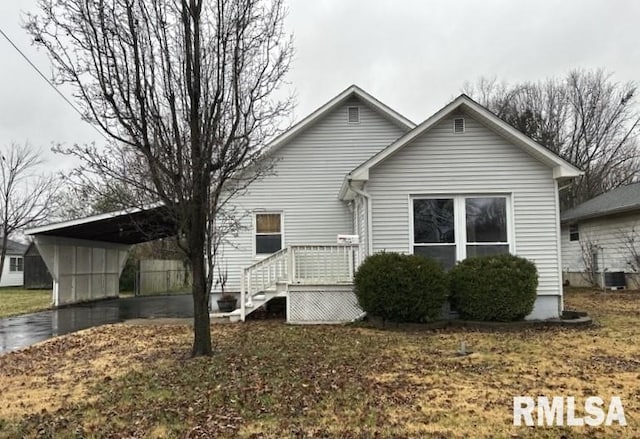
15,301
272,380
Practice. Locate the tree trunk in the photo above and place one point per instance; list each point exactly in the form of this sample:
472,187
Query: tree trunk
3,252
201,321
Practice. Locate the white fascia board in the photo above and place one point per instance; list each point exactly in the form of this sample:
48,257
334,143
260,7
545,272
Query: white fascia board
346,191
565,169
63,241
88,219
344,188
560,172
360,174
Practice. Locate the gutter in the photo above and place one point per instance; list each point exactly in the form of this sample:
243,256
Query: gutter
367,197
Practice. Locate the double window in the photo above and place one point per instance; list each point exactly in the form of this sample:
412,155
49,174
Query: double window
268,233
16,264
452,228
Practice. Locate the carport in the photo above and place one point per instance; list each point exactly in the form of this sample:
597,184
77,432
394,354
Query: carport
86,256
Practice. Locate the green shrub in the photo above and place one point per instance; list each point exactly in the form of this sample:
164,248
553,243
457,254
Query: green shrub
401,288
128,275
494,288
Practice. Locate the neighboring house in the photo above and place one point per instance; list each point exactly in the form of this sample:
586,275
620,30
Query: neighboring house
13,270
460,184
36,273
602,235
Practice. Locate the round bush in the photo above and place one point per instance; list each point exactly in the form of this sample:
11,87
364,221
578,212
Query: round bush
401,288
494,288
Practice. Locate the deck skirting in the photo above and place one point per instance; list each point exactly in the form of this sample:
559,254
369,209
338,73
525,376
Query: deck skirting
322,303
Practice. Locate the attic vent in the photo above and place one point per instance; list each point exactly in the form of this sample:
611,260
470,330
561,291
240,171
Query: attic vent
354,114
458,125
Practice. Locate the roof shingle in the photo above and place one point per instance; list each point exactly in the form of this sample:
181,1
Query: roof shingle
622,199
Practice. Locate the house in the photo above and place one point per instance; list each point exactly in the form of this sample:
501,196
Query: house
36,273
355,178
601,236
13,269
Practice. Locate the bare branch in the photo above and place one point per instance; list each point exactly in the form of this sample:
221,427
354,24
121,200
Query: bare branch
26,194
586,118
186,89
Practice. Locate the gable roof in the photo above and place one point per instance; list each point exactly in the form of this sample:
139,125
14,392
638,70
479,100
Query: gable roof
561,168
15,248
349,92
620,200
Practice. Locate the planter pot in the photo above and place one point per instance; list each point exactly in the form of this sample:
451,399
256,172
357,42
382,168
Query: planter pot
227,304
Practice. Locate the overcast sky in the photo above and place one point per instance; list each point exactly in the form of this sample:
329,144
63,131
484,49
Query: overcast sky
413,55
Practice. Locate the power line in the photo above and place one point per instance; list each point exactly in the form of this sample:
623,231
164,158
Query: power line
51,84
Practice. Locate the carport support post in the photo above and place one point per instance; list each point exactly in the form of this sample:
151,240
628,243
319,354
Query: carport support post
54,275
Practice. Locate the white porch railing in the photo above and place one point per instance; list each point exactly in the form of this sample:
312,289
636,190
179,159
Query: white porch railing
300,264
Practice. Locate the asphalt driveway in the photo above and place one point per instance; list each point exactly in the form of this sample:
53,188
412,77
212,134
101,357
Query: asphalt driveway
25,330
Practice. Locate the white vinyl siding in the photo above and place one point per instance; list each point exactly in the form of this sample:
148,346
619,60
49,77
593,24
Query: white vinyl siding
306,181
609,234
480,162
12,278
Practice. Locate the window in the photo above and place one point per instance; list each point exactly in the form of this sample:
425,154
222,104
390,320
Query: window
434,230
353,114
574,232
268,233
486,224
451,229
458,125
16,264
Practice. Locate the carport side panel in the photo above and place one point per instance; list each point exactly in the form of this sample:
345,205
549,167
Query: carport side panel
77,281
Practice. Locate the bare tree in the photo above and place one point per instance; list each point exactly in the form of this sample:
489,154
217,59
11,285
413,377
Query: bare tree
26,193
586,118
589,253
186,90
630,239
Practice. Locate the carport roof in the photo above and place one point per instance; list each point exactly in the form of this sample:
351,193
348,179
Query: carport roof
129,226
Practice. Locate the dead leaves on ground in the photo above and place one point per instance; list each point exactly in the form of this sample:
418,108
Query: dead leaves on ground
268,379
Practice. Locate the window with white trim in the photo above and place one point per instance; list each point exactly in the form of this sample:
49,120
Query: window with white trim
574,232
434,230
16,264
268,233
486,226
452,228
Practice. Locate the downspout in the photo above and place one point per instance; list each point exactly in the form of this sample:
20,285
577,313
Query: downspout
367,197
559,246
559,188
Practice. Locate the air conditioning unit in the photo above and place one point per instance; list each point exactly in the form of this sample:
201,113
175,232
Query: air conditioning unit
348,239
